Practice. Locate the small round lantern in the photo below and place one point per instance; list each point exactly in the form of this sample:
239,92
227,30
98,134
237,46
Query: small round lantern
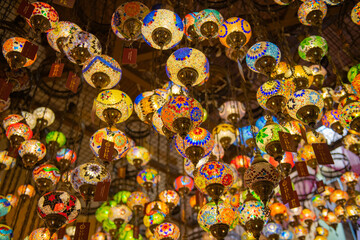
18,133
183,184
318,202
235,33
331,119
120,214
167,231
64,158
148,178
208,22
232,111
43,234
312,12
31,151
138,156
339,197
45,117
6,233
271,96
57,36
313,49
170,197
26,191
300,76
11,50
355,14
55,139
272,230
319,73
6,162
45,177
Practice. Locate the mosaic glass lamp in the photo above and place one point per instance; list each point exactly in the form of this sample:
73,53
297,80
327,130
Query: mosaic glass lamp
11,50
43,18
170,197
190,167
312,12
331,119
355,14
183,185
138,156
6,162
64,158
148,178
353,72
120,214
187,67
339,197
349,109
45,117
225,134
350,179
241,162
272,230
26,191
57,36
162,29
351,142
307,154
235,33
17,133
319,73
146,104
137,201
189,26
208,22
271,96
300,76
313,49
318,202
307,217
46,176
42,233
167,231
31,152
159,126
280,70
6,232
232,111
11,119
278,212
5,206
55,139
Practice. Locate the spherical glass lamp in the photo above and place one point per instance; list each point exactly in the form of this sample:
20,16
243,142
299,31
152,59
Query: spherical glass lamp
215,179
349,109
218,219
180,114
339,197
197,144
6,233
196,202
11,119
278,212
307,154
234,33
224,134
355,14
352,212
102,72
263,57
340,212
208,22
331,119
280,71
300,76
326,194
11,50
57,36
189,26
286,235
247,135
42,233
170,197
241,162
80,46
327,94
43,18
5,206
319,72
187,67
148,178
300,232
138,156
31,151
30,119
137,201
295,128
46,176
307,217
321,231
6,162
313,49
232,111
18,133
351,142
350,179
13,199
167,231
120,214
312,12
162,29
157,206
85,177
45,117
353,72
64,158
55,139
26,191
318,202
183,184
153,219
147,104
272,230
306,106
271,96
127,20
113,106
159,126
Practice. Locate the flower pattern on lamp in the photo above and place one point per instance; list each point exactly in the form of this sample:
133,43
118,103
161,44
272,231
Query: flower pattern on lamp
5,206
330,118
252,210
6,232
46,114
113,100
158,206
224,134
102,72
272,228
167,231
313,49
184,183
135,154
232,111
241,162
26,190
223,213
162,29
355,14
208,22
146,105
66,154
120,212
268,134
43,18
169,196
57,36
80,46
307,217
6,162
234,33
260,50
11,119
148,178
46,171
127,20
189,27
137,199
11,50
309,12
153,218
187,67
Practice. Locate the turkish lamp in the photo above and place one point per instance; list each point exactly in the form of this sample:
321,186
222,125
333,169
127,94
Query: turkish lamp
278,212
319,73
327,94
331,119
313,49
11,50
350,179
31,151
45,117
43,18
56,37
340,212
349,109
307,217
189,27
18,133
312,12
352,212
170,197
138,156
46,176
339,197
64,158
167,231
271,96
280,71
351,142
295,128
318,202
301,76
6,162
224,134
208,22
272,231
235,33
232,111
146,105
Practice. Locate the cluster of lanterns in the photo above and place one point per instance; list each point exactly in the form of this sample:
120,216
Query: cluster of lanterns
171,110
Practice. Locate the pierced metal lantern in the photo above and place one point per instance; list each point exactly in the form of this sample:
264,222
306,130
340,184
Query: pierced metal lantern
355,14
146,104
57,36
80,46
312,12
43,18
208,22
349,109
189,27
218,219
225,134
187,67
31,152
351,142
263,57
235,33
127,20
313,49
46,176
300,76
148,178
162,29
331,119
319,72
232,111
11,50
113,106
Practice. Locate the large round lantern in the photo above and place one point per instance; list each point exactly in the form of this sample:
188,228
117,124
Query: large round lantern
6,162
138,156
5,206
208,22
18,133
278,212
11,50
272,230
307,217
235,33
331,119
189,27
57,36
271,96
313,49
43,18
312,12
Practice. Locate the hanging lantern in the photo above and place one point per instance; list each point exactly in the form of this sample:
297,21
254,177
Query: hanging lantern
331,120
80,46
340,94
154,219
350,179
127,20
218,219
6,162
64,158
247,134
340,212
46,176
146,104
319,73
339,197
306,106
349,109
31,152
312,138
197,201
13,199
45,117
189,27
187,67
208,22
11,119
318,202
263,57
99,236
6,233
300,76
295,128
157,206
312,12
137,201
190,167
109,227
215,179
167,231
262,178
43,234
268,139
353,72
232,111
5,206
241,163
280,71
148,178
113,106
356,84
58,208
353,212
162,29
55,140
235,33
286,235
327,94
300,232
12,49
138,156
102,72
18,133
43,18
278,212
102,213
307,154
307,217
120,214
224,134
57,35
355,14
321,231
183,184
327,192
313,49
85,177
26,191
330,218
122,197
272,230
170,197
111,134
159,126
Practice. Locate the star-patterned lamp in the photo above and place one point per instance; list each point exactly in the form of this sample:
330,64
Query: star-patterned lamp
148,178
167,231
170,197
183,184
138,156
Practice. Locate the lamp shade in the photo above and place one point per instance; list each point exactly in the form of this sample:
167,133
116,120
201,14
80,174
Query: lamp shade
6,233
26,190
234,33
313,49
355,14
42,233
312,12
43,18
252,210
147,104
278,211
272,228
46,175
183,184
170,197
31,152
162,29
138,156
11,119
44,114
208,22
349,109
168,231
5,206
271,96
331,119
307,217
65,157
148,178
137,199
56,37
18,132
56,137
120,214
187,67
11,50
339,197
189,27
232,111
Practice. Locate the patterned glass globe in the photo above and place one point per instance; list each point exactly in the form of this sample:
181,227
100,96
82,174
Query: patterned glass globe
167,231
307,154
280,70
169,197
17,133
26,191
339,92
313,49
187,67
153,219
235,33
159,126
271,96
197,144
351,142
300,232
146,104
148,178
162,29
13,199
189,27
45,115
271,229
6,162
120,214
218,219
307,217
224,134
339,197
157,206
312,12
5,206
263,57
319,73
102,72
43,18
300,76
42,233
11,119
137,201
189,166
278,211
138,156
306,106
349,109
31,152
181,114
127,20
57,36
6,233
318,202
207,23
355,14
353,72
241,162
183,184
55,139
65,157
350,179
113,106
246,135
11,50
331,119
80,46
46,176
232,111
